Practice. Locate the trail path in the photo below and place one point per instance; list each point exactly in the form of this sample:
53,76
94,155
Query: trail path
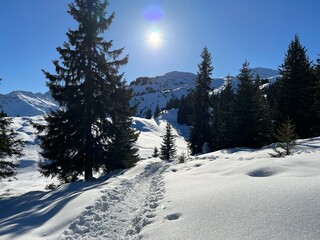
122,211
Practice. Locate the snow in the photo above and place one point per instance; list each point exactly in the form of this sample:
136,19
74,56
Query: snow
229,194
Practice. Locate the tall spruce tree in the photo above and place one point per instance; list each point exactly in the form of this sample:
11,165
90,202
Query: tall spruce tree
252,127
168,147
184,110
10,147
244,132
297,87
200,128
224,130
157,111
122,138
262,116
316,106
94,115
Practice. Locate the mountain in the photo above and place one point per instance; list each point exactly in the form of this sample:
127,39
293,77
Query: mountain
148,92
21,103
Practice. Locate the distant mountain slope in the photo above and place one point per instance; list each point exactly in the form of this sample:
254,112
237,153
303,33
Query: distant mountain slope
20,103
148,93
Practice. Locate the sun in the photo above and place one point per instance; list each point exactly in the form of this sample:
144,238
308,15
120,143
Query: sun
154,39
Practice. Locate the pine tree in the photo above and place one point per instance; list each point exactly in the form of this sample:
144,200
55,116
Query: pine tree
244,131
9,147
121,150
184,110
157,112
200,129
252,127
297,86
316,106
225,118
78,139
286,138
262,114
217,135
155,152
168,148
148,113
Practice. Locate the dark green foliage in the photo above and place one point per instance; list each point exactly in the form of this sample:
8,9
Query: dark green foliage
316,106
93,129
253,124
227,109
296,90
9,147
122,138
155,152
223,119
185,110
157,112
168,148
173,103
148,113
200,129
286,138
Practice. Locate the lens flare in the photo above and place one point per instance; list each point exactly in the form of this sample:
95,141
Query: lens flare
153,13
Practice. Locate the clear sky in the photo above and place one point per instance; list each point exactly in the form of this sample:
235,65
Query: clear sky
159,35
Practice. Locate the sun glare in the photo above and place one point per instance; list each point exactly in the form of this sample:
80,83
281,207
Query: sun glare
154,39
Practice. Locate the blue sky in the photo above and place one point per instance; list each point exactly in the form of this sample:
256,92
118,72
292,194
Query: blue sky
233,30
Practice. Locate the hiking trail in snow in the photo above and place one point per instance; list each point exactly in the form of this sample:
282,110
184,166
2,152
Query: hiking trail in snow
122,211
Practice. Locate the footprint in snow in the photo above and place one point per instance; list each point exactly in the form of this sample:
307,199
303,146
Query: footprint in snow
172,216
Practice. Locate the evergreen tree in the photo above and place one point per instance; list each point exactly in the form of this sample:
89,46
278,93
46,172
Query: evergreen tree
297,87
224,118
216,140
286,138
263,123
9,147
244,131
148,113
184,110
122,138
155,152
200,129
316,106
157,112
253,124
80,138
168,148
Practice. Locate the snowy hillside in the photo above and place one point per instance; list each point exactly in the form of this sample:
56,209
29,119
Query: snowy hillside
229,194
148,92
20,103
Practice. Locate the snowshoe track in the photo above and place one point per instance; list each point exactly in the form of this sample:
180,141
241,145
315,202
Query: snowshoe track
122,211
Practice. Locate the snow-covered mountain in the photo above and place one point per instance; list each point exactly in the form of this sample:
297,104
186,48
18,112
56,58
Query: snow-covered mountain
148,93
21,103
152,91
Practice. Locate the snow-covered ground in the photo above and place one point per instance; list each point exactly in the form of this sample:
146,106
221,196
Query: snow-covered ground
229,194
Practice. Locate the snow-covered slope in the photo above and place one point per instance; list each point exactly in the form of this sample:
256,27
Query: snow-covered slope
20,103
229,194
148,92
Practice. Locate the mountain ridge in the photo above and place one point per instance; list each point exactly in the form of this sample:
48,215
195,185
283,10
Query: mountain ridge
148,92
